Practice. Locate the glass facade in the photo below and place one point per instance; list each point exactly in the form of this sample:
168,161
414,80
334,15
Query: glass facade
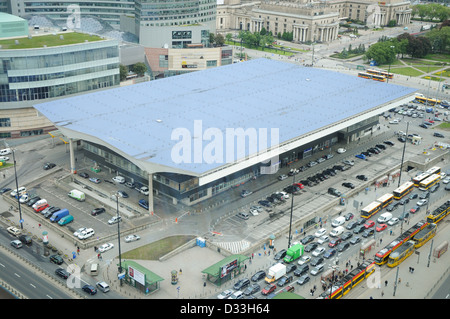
55,72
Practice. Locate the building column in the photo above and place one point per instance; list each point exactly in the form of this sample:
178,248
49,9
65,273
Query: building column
73,169
150,193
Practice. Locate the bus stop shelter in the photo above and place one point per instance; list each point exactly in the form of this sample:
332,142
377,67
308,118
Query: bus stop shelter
226,269
140,277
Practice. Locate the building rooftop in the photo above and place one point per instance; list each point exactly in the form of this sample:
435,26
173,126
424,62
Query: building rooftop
140,120
49,40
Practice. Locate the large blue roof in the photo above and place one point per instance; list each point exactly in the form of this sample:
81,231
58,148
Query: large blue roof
140,119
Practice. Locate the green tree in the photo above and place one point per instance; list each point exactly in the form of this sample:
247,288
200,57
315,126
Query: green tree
139,68
123,72
381,52
219,40
228,37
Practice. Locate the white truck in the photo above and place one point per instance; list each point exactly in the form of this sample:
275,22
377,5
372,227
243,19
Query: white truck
275,272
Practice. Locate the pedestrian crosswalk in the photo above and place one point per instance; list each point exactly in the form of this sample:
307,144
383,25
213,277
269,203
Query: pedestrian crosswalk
234,247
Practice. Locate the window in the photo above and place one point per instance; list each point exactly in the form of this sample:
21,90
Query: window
5,122
212,63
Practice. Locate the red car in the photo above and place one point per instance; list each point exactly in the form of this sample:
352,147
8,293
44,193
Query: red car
299,185
381,227
369,223
268,289
334,242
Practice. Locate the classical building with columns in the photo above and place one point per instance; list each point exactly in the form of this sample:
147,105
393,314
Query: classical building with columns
307,20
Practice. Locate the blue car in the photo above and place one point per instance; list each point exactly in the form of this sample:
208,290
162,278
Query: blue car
143,203
361,156
265,203
330,253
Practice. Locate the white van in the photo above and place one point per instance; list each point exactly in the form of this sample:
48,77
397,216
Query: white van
94,269
22,190
338,221
339,230
384,218
5,151
119,179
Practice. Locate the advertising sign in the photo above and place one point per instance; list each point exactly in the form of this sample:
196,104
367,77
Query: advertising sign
136,275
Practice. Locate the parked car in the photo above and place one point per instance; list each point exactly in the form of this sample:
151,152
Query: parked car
348,185
115,220
361,177
56,259
97,211
49,166
355,240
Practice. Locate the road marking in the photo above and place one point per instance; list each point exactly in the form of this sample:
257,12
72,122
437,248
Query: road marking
2,265
32,285
17,275
49,297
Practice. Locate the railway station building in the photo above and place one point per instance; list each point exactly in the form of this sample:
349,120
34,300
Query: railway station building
191,137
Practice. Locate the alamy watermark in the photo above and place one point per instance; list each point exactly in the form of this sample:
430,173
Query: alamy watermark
212,145
74,19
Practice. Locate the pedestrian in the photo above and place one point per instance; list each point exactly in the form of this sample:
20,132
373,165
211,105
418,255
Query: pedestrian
98,256
382,293
399,280
265,253
412,270
95,248
385,283
78,250
381,240
39,225
269,252
180,272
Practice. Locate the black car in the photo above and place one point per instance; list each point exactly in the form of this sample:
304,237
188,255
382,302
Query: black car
49,166
358,229
368,233
348,185
346,235
423,125
402,139
33,201
62,273
290,268
307,239
265,203
258,276
391,207
348,216
311,246
334,192
83,174
97,211
56,259
26,239
413,196
338,168
316,261
343,246
252,289
362,177
388,143
89,289
51,211
404,201
241,284
361,221
4,190
381,146
438,134
284,280
301,270
280,255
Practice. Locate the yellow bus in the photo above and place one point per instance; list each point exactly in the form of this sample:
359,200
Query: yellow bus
403,190
385,200
379,78
370,210
424,235
416,180
439,213
429,182
427,101
399,255
434,170
364,75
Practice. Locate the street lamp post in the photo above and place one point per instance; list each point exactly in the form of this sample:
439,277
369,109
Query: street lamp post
118,236
17,189
292,210
403,154
389,71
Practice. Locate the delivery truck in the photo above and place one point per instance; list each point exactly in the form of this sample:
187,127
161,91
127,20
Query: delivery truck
59,214
294,253
76,194
275,272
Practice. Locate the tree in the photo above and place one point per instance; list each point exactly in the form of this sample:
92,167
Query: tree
123,72
139,68
228,37
381,52
439,39
419,47
219,40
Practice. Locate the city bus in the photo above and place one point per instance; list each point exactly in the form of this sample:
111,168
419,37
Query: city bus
429,182
416,180
350,281
434,170
379,78
439,213
426,101
387,75
382,256
373,71
403,252
385,200
364,75
370,210
424,235
403,190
